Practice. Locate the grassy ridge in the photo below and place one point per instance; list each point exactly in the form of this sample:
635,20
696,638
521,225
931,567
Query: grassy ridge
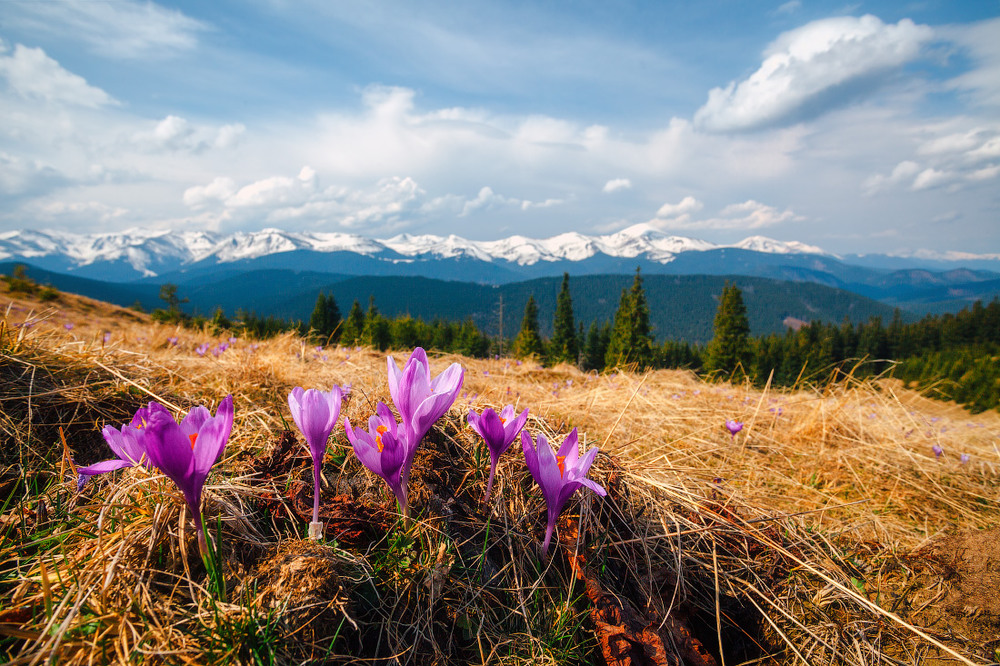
811,535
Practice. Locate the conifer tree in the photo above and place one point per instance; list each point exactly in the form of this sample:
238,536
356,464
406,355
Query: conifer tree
354,325
563,348
631,338
325,317
528,342
376,332
730,348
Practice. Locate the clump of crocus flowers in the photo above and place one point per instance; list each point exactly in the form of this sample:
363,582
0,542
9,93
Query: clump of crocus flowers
186,451
420,402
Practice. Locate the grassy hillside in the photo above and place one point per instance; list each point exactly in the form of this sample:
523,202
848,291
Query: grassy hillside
827,531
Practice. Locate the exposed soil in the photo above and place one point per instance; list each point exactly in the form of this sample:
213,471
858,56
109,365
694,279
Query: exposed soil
951,588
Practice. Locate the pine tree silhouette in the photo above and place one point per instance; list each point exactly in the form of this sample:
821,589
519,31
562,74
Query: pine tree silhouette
564,348
528,342
729,350
631,337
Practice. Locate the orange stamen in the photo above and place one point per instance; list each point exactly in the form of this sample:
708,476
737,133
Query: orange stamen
193,437
561,461
378,438
503,421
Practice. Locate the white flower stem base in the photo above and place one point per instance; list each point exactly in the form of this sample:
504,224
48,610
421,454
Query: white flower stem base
315,531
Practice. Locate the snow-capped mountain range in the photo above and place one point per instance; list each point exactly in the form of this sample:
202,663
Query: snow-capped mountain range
139,254
148,252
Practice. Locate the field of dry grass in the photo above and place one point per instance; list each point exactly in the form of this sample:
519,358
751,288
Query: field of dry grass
826,532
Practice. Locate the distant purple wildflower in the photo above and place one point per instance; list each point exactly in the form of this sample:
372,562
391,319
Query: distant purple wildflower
965,458
68,326
733,427
172,341
937,450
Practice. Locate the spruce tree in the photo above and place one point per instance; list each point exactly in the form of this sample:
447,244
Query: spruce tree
325,317
563,348
354,325
730,348
631,338
528,342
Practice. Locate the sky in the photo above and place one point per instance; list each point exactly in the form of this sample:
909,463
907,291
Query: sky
860,128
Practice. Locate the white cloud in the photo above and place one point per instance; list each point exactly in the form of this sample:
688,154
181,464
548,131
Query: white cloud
686,206
902,172
120,29
789,7
175,133
747,215
31,74
617,184
219,189
82,211
811,69
979,42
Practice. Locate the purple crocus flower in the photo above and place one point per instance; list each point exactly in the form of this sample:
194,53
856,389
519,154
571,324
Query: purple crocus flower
187,451
172,341
382,450
420,400
315,413
558,474
733,427
965,458
201,349
128,444
499,432
68,326
937,450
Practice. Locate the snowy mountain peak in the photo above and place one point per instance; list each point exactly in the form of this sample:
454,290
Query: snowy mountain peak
154,252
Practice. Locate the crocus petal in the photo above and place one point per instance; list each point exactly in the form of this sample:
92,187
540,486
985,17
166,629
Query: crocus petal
512,427
570,451
195,418
449,381
530,454
169,449
364,447
84,473
429,411
208,446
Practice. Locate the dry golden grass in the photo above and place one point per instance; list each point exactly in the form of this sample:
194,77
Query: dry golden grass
803,539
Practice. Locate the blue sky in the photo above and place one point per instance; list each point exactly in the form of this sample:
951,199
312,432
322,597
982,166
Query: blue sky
868,127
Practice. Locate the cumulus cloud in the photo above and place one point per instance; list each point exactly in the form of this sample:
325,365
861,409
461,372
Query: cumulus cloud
120,29
617,184
686,206
175,133
951,160
32,74
811,69
747,215
902,172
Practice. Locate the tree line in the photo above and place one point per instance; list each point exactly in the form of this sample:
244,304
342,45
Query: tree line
953,355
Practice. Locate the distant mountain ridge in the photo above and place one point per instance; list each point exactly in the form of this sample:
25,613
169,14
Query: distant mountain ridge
153,253
925,282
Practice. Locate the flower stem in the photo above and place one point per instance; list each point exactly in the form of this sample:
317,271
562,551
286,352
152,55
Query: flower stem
548,538
489,485
316,470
